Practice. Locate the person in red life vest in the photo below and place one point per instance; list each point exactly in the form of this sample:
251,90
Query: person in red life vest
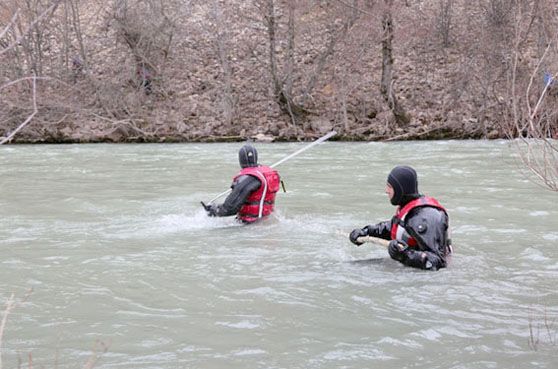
419,229
253,190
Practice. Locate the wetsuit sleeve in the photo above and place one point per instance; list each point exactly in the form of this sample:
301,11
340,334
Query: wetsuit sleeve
241,189
430,227
380,230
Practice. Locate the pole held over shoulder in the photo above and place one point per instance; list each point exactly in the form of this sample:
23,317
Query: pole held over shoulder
318,141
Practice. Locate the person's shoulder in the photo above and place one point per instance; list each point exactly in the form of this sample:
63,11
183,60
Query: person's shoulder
427,212
249,178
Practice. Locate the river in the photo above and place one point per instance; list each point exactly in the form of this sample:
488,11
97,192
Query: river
107,246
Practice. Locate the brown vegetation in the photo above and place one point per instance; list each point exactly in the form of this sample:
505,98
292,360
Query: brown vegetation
170,70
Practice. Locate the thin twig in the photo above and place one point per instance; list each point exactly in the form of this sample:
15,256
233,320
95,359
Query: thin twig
532,112
9,25
30,27
354,7
9,306
94,358
16,81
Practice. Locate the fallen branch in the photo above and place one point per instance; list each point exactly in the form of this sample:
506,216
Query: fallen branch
28,120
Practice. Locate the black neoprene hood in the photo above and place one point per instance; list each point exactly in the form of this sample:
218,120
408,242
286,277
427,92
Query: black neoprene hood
248,156
404,181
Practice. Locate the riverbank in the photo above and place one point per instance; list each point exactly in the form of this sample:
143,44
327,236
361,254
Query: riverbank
222,72
129,133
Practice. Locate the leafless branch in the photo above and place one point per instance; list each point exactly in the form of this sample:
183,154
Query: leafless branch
29,28
14,82
533,111
10,24
29,118
360,10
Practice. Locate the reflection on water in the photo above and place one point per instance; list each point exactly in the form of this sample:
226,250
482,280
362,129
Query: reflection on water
115,244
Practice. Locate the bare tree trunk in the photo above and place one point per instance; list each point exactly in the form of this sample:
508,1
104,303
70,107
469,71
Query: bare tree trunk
281,94
444,21
228,99
386,87
290,50
77,29
270,18
147,30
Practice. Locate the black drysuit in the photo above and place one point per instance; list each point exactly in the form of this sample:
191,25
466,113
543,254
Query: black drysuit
429,226
242,187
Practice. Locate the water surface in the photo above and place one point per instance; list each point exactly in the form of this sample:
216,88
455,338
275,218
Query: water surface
116,248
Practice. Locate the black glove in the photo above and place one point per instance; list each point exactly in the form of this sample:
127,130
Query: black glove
212,212
211,209
356,233
396,250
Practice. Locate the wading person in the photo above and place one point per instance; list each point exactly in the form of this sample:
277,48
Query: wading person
253,190
419,229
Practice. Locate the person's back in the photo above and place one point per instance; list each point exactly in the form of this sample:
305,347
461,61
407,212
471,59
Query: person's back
260,202
436,222
253,190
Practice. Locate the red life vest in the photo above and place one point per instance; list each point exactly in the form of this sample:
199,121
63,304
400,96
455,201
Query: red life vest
398,232
261,202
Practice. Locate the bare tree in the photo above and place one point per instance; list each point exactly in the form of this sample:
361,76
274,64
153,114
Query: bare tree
10,136
147,30
444,21
535,100
294,83
282,83
220,33
17,39
537,131
335,36
387,81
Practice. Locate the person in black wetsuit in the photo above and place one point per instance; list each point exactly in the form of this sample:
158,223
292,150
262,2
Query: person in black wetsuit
253,190
419,229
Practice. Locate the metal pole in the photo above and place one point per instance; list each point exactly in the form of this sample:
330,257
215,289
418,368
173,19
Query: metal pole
319,140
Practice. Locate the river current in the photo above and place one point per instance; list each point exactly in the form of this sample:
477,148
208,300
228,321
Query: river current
107,247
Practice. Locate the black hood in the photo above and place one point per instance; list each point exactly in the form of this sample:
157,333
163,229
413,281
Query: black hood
404,181
248,156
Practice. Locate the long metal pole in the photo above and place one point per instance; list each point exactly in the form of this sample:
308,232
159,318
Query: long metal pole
319,140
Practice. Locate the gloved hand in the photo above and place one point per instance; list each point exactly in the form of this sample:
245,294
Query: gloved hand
211,209
395,250
356,233
212,212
